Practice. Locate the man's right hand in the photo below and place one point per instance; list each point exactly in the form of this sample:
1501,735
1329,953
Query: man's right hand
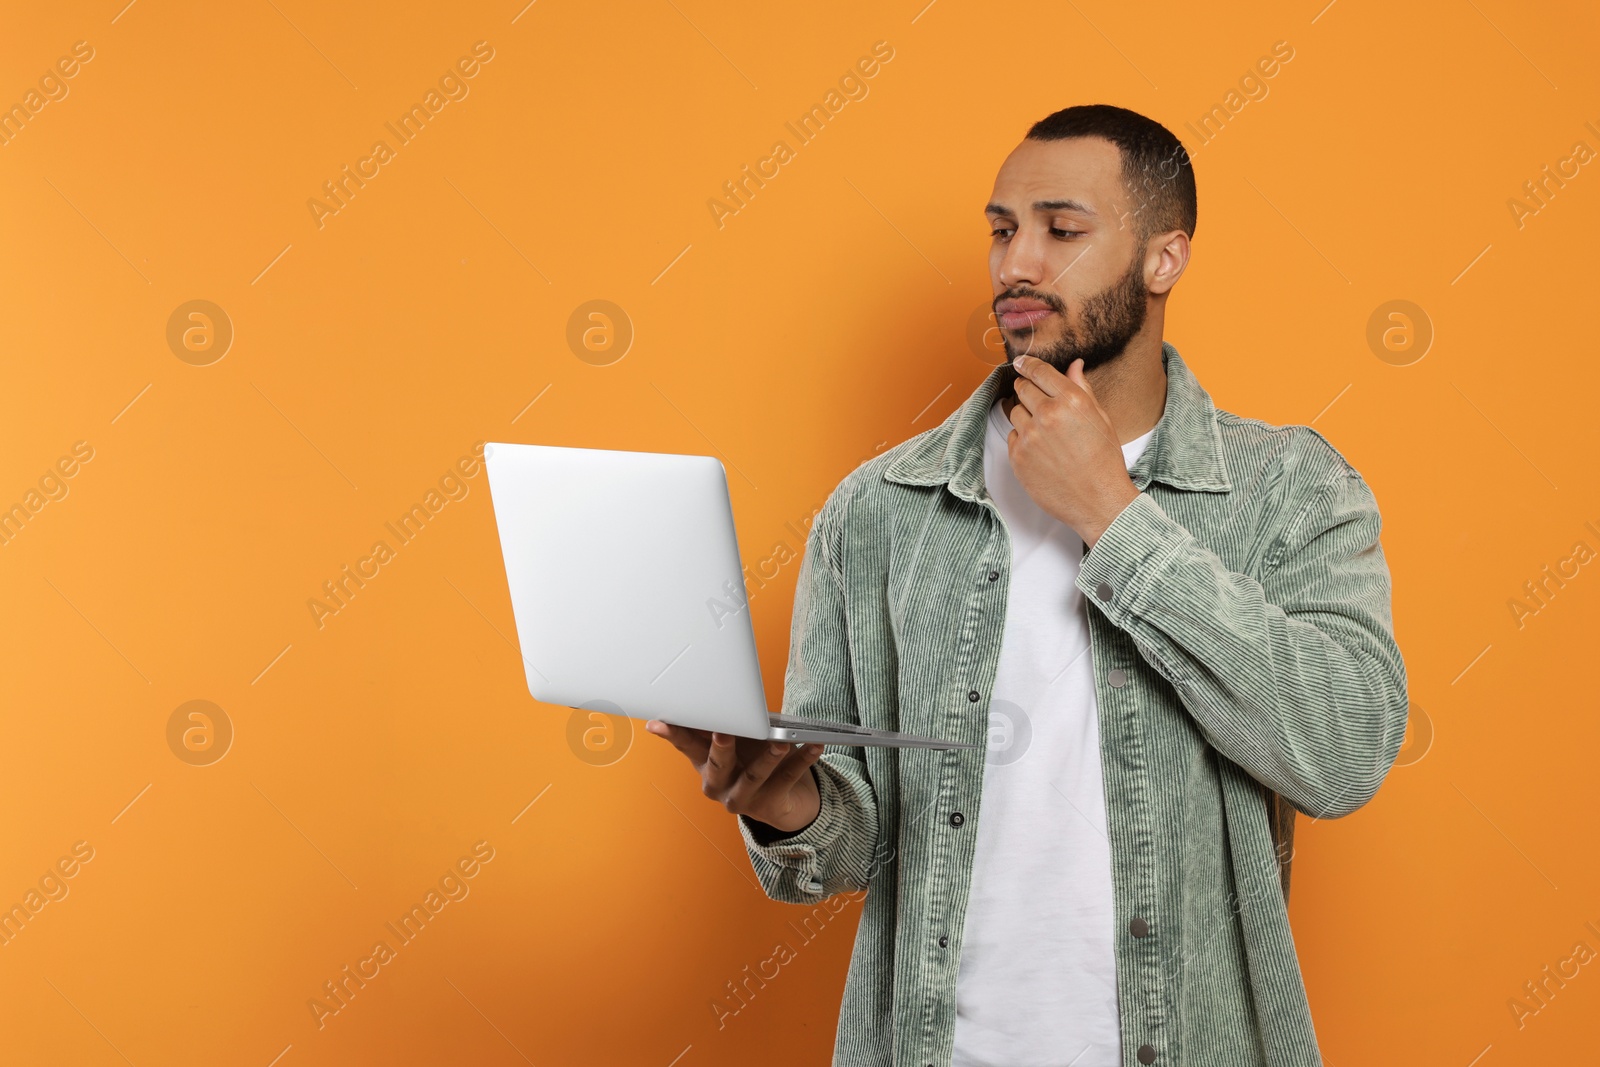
767,781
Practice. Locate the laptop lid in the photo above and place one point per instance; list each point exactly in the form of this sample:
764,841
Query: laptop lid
626,584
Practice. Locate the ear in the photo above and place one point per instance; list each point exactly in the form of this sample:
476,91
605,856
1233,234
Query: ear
1173,250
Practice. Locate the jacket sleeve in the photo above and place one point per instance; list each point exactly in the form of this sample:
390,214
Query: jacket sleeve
1295,677
834,853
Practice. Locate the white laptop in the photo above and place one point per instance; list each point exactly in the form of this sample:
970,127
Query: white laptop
628,592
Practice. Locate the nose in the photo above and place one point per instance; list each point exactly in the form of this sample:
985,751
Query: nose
1022,262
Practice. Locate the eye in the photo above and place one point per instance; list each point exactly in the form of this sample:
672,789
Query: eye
999,231
1058,232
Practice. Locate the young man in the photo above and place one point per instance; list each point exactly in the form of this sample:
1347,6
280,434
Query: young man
1171,622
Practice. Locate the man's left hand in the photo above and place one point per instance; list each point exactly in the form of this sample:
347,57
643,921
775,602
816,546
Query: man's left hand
1064,449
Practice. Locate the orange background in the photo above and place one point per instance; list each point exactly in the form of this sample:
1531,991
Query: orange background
828,315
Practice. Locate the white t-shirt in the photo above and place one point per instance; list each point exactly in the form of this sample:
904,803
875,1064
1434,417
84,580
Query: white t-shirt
1037,979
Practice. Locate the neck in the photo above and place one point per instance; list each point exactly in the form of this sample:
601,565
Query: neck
1133,387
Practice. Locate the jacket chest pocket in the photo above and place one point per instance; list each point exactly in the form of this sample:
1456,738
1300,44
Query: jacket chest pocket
945,591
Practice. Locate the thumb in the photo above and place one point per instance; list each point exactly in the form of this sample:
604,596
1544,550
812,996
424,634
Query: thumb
1075,375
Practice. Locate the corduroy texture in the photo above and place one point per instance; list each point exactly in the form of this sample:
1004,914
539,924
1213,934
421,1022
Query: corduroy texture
1245,595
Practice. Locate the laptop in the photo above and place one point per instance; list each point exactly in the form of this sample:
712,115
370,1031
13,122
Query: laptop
629,596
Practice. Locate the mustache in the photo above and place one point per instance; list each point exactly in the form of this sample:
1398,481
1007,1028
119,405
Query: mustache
1050,300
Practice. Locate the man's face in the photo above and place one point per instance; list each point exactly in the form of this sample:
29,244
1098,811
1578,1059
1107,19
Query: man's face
1067,270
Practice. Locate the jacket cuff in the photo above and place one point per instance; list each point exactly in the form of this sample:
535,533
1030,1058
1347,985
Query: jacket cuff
799,851
1128,556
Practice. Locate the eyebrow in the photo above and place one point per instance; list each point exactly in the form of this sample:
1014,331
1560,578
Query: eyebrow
1045,205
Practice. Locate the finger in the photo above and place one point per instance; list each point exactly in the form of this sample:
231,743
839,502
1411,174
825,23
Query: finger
754,772
794,766
1049,380
1020,417
1097,416
1074,387
721,762
692,743
1076,376
1029,396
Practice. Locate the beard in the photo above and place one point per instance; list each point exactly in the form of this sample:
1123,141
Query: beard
1110,320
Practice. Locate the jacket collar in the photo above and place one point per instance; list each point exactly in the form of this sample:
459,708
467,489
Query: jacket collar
1185,452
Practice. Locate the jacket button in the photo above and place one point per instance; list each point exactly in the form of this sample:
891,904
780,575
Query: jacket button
1103,591
944,942
1118,678
973,696
1139,928
994,576
956,818
1147,1054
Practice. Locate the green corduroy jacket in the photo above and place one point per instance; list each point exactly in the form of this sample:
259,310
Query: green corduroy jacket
1245,669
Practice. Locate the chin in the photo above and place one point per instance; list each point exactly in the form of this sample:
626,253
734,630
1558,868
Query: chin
1029,344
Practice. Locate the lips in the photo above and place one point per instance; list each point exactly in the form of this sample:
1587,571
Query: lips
1021,314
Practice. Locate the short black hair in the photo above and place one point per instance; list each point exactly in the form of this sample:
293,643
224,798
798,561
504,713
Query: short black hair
1155,166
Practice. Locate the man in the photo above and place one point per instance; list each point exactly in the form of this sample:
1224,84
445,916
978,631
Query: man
1172,622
